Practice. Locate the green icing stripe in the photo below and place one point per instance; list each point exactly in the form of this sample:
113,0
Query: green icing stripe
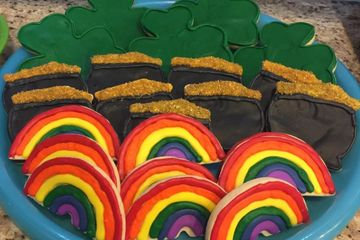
81,197
254,170
185,143
67,129
171,209
244,222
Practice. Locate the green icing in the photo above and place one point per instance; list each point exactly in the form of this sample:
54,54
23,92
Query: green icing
171,35
237,18
67,129
117,16
288,44
254,170
52,39
81,197
171,209
159,145
244,222
4,33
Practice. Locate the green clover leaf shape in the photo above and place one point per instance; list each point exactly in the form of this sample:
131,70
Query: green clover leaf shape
290,45
52,39
4,33
237,18
173,36
118,16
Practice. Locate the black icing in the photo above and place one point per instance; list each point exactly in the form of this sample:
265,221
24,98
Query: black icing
265,82
137,118
21,114
117,110
108,75
327,126
232,118
181,76
39,82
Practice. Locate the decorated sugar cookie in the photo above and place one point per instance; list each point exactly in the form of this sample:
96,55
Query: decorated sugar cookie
323,115
28,104
231,105
172,206
280,156
75,146
45,76
153,171
66,119
272,73
83,191
197,70
264,206
114,102
169,135
130,66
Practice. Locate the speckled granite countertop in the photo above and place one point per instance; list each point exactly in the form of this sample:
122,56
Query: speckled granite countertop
337,24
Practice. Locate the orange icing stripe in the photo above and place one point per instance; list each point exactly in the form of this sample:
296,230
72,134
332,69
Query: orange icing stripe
134,146
88,178
147,206
274,145
35,128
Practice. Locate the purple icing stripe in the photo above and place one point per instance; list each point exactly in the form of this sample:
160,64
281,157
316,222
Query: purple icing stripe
175,149
72,211
285,173
252,228
268,226
70,200
184,218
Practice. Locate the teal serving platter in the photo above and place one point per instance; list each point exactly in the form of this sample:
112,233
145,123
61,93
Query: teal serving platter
328,215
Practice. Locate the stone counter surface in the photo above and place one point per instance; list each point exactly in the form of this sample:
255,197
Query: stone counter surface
337,24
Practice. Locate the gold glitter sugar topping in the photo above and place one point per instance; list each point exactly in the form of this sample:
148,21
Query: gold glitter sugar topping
180,106
51,94
209,62
130,57
221,88
135,88
290,74
46,69
325,91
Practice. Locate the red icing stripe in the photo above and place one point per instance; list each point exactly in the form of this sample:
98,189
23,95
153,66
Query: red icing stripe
319,168
60,166
267,187
69,108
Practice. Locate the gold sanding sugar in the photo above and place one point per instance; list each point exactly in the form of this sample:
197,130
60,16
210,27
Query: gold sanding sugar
180,106
290,74
208,62
221,88
130,57
47,69
139,87
325,91
50,94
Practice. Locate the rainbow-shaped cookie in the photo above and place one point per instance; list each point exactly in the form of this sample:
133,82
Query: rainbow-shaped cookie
84,192
153,171
172,206
66,119
169,135
75,146
264,206
277,155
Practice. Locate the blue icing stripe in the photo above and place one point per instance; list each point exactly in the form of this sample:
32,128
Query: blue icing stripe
176,150
263,219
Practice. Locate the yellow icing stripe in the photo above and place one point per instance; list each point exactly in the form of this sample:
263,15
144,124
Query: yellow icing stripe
161,205
62,122
62,179
254,159
154,179
278,203
68,153
160,134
